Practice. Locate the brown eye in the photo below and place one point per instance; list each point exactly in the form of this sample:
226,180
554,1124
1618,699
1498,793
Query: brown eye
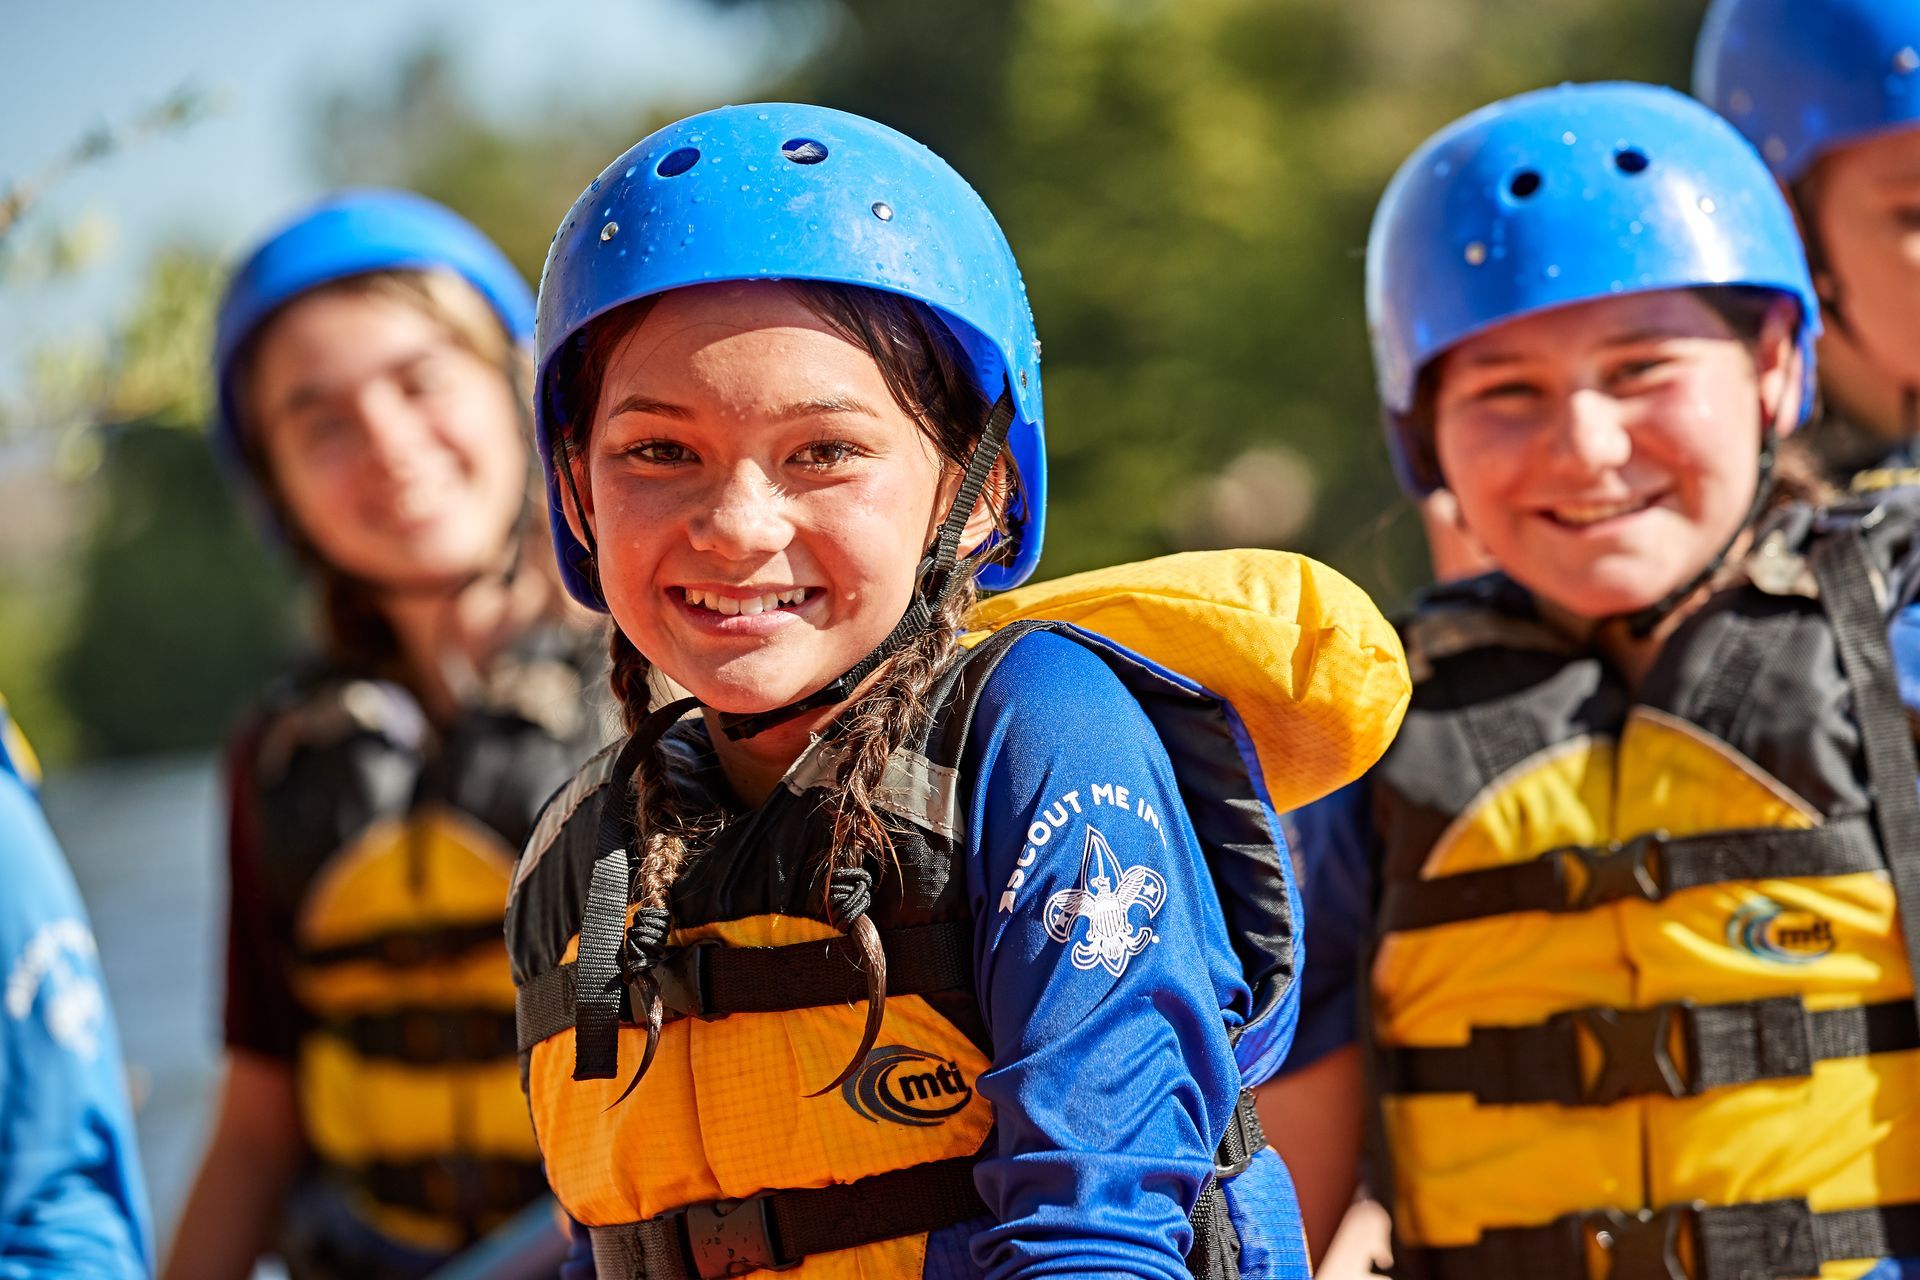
664,453
825,453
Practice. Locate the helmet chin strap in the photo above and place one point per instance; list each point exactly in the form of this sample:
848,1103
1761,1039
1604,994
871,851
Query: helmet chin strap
939,573
1642,623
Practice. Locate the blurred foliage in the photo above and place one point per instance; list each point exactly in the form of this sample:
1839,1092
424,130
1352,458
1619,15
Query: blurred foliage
1188,185
166,614
180,618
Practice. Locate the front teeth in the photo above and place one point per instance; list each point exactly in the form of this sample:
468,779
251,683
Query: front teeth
731,606
1594,512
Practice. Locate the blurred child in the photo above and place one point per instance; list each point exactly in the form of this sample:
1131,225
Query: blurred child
372,378
1829,91
1628,889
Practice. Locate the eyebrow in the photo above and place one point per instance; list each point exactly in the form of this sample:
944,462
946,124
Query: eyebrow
815,406
637,403
811,407
1631,337
307,394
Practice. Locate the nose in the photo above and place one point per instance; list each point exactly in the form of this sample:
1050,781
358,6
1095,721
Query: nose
1590,434
743,516
393,429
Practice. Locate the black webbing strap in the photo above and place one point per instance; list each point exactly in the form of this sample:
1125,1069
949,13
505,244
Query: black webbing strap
1673,1050
710,980
599,984
427,1037
410,948
779,1229
1845,578
451,1186
1649,867
936,579
1772,1240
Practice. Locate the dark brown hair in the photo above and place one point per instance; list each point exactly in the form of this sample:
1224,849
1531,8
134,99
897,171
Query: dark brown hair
927,374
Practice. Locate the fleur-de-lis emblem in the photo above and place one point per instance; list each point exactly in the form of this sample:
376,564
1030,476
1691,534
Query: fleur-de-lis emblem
1105,899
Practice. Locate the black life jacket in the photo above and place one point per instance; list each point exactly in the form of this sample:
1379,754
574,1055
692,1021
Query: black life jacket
386,847
1641,1001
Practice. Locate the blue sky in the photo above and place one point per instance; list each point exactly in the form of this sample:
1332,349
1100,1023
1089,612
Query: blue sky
68,66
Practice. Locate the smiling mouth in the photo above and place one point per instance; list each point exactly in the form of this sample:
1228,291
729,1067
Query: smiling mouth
734,606
1582,515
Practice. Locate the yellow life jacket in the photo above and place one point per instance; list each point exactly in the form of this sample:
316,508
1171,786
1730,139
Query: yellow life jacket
1640,1001
386,847
721,1151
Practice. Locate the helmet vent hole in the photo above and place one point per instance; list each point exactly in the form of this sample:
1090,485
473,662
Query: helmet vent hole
675,163
1523,184
1630,160
803,151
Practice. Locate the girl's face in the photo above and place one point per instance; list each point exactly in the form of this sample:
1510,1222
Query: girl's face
759,500
1866,207
396,451
1605,452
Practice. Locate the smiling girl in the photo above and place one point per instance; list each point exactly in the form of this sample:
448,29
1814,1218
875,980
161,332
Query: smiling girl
891,960
1628,889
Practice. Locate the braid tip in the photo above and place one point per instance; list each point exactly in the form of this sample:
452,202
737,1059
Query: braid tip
874,961
647,990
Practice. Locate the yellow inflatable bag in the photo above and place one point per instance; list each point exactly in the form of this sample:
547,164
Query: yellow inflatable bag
1305,657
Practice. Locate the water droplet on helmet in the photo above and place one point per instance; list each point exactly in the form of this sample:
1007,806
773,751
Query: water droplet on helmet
1476,254
1553,271
761,116
1441,168
631,170
1906,62
609,231
883,211
744,187
753,168
1636,227
1707,205
1569,137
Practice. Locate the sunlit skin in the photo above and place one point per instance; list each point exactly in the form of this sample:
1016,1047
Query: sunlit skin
741,451
396,451
1866,206
1605,452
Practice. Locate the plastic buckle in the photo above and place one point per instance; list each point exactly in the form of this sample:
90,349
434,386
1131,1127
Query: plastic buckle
1624,869
1636,1053
683,981
733,1238
1245,1138
1643,1244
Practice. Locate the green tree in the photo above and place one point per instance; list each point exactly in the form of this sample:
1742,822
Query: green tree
1188,185
181,616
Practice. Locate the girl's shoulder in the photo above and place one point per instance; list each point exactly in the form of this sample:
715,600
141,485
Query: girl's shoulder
1056,686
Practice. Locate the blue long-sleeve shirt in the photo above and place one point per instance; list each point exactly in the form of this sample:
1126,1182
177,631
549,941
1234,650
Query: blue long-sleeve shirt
72,1202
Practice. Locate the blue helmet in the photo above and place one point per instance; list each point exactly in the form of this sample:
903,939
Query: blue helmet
1560,196
1800,77
783,191
353,233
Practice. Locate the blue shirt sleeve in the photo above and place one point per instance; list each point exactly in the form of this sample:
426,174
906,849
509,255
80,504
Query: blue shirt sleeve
71,1197
1104,972
1331,840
